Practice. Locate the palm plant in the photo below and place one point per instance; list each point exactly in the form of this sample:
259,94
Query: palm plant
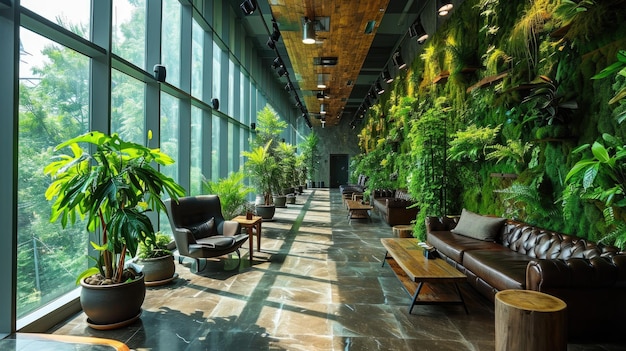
262,169
114,185
232,192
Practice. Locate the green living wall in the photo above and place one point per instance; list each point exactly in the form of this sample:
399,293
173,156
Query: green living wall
490,111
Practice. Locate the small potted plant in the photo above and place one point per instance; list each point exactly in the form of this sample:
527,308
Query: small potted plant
113,185
262,169
157,260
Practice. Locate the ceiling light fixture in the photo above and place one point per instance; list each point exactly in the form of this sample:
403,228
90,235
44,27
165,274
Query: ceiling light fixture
277,63
320,95
275,32
417,30
398,61
308,31
320,81
378,88
445,9
282,71
248,7
322,109
387,76
271,44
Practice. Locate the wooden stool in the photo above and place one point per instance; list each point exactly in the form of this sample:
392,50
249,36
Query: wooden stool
402,231
530,320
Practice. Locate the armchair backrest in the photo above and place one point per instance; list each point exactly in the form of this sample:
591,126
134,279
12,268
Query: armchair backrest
191,211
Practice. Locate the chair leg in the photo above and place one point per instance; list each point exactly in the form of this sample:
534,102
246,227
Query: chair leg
198,265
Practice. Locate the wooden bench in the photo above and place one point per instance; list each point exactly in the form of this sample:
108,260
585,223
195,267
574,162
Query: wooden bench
428,281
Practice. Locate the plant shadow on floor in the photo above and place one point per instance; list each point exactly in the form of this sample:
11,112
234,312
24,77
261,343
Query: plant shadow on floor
168,329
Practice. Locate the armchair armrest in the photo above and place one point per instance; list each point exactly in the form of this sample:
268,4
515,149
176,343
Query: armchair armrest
438,224
231,228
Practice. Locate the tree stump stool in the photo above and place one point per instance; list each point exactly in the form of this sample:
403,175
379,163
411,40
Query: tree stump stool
402,231
530,320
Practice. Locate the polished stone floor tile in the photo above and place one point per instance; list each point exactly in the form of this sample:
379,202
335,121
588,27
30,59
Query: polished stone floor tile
317,284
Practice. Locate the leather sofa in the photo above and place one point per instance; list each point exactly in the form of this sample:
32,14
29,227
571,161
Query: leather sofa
392,206
359,187
589,277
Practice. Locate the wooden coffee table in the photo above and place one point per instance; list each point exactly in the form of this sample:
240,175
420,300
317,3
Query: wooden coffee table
428,281
357,210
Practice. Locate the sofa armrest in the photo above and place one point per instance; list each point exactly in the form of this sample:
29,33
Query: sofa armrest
576,273
231,228
440,224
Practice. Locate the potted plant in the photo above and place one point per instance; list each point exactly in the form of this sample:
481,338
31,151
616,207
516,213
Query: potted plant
232,191
310,155
157,260
262,169
112,184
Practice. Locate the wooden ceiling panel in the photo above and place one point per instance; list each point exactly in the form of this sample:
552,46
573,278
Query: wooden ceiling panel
345,39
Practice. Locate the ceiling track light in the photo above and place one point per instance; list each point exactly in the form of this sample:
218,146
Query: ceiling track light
271,44
282,71
320,81
387,76
445,9
322,109
398,61
378,88
277,63
248,7
416,30
275,33
289,86
320,95
308,31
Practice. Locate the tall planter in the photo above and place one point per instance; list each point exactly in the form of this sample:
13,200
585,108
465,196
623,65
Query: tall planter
97,302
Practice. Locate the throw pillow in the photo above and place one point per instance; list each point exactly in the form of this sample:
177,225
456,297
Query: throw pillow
203,230
478,227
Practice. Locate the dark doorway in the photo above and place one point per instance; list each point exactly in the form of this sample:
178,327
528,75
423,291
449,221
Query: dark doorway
338,170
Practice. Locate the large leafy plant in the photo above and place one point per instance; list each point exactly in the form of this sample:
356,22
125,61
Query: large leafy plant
602,178
232,192
263,170
114,185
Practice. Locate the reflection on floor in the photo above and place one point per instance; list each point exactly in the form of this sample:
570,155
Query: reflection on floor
317,284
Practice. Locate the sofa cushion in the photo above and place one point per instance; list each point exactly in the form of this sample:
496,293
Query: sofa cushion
502,269
398,203
477,226
204,229
453,245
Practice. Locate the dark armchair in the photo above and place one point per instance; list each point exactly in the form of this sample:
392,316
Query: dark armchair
200,230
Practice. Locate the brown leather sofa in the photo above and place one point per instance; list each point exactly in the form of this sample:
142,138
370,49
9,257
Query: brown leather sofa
589,277
392,206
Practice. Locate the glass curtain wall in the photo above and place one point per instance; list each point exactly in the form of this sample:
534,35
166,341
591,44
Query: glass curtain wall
62,86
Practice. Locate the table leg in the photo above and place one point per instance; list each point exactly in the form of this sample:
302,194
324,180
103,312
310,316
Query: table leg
417,292
250,243
384,259
458,290
258,237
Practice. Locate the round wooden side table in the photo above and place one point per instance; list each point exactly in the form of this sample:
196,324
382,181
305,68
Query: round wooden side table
402,231
530,320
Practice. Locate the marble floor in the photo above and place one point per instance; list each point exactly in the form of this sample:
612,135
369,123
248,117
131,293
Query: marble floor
317,284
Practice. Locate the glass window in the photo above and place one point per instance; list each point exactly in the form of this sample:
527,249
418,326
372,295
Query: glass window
217,70
170,123
170,40
73,15
129,31
127,107
196,151
53,107
231,149
197,57
231,89
215,151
